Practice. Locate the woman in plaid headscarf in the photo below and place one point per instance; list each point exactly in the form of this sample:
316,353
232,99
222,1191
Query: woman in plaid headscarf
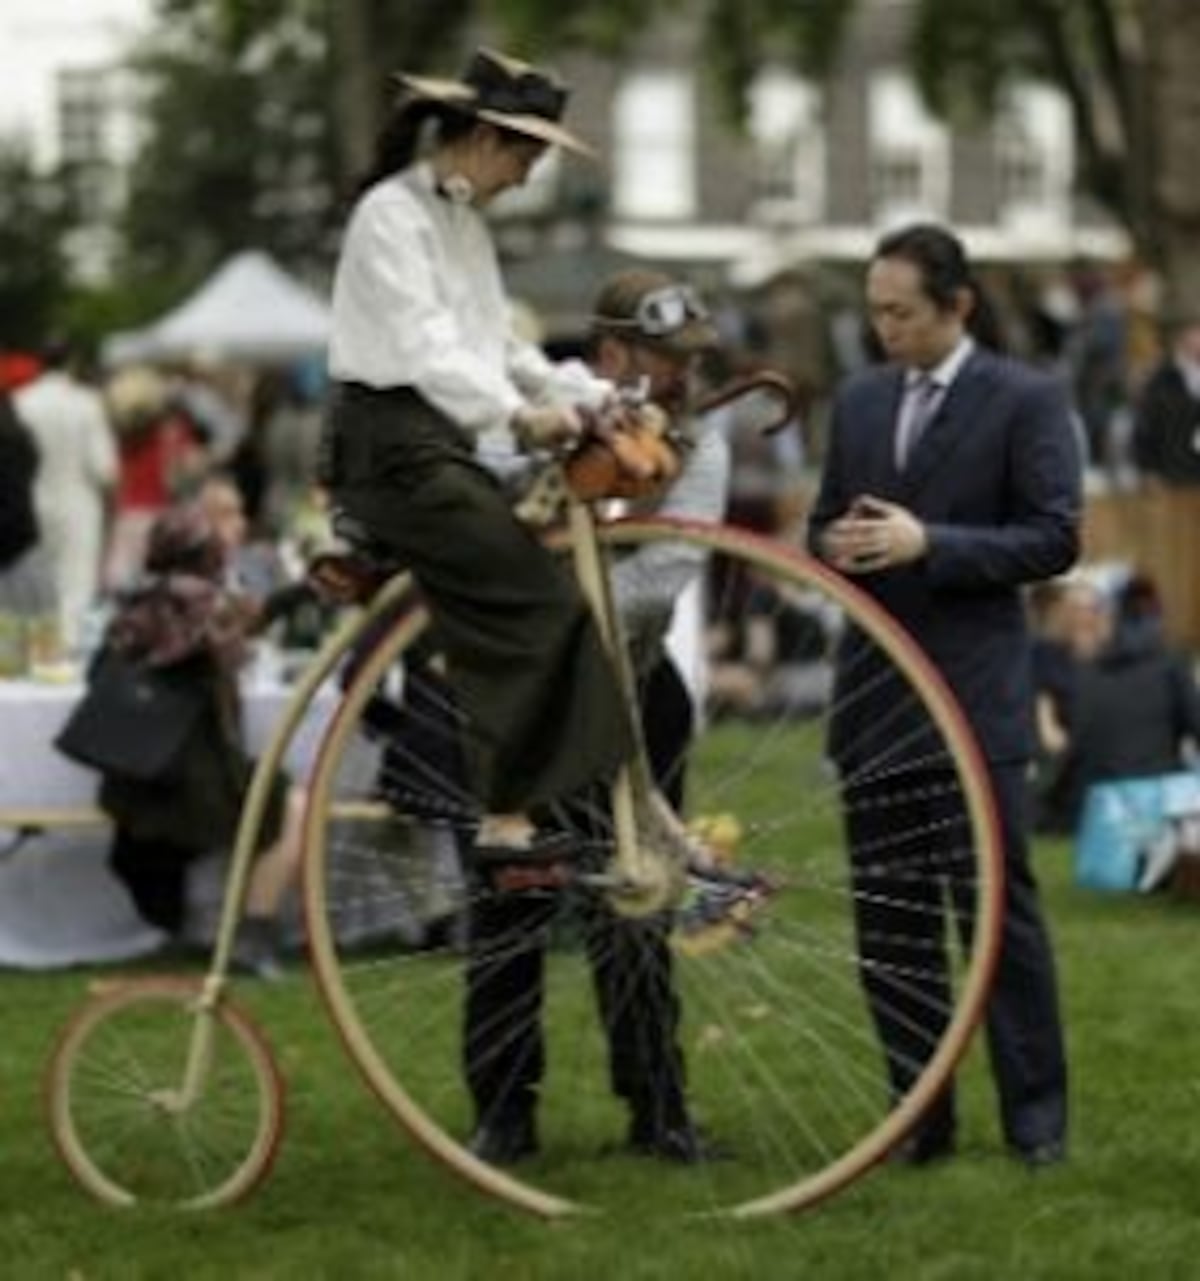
181,617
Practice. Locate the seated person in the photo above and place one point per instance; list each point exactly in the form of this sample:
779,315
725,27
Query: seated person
649,330
180,617
1136,706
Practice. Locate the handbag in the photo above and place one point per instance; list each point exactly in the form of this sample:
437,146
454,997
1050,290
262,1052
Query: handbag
133,720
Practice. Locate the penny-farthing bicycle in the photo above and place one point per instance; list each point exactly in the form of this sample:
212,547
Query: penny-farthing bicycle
163,1091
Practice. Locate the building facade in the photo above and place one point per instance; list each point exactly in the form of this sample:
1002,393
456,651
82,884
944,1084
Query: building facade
68,100
819,169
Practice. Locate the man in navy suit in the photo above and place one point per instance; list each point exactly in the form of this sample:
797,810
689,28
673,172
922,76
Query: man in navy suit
952,478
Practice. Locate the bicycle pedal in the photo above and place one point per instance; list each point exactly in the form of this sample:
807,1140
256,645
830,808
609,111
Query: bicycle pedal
521,878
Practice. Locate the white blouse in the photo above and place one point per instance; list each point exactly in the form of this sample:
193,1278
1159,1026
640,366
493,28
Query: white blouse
418,302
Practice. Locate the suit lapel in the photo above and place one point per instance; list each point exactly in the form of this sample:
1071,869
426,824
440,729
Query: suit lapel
882,434
941,437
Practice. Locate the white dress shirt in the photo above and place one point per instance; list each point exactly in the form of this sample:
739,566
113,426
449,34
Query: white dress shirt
418,302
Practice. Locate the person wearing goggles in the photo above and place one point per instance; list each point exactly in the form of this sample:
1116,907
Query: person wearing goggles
663,313
648,331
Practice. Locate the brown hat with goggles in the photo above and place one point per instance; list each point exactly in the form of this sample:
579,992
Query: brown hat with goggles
653,309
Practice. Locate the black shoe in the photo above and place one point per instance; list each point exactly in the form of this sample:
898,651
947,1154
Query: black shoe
684,1144
504,1141
1039,1156
919,1149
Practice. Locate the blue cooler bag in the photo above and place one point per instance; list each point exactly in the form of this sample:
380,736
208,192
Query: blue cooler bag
1122,819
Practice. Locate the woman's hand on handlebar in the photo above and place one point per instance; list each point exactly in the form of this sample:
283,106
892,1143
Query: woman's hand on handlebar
615,415
547,426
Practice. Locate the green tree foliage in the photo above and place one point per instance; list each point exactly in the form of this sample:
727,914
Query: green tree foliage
604,26
34,218
1107,56
262,111
1127,67
238,149
964,54
259,113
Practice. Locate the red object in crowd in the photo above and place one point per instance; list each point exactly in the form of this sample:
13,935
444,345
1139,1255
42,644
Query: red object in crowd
151,460
17,368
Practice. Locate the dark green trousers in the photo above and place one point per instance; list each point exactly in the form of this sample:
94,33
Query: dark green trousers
525,658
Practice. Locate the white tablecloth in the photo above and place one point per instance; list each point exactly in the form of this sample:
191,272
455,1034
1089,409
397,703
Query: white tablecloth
33,775
59,905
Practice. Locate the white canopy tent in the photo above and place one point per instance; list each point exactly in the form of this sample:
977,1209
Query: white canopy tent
249,309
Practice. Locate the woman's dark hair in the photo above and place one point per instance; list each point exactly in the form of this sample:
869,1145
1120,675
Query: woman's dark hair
398,141
941,260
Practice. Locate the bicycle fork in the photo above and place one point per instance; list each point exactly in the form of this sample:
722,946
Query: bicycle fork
645,879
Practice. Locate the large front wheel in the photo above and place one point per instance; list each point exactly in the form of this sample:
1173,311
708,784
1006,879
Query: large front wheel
808,1006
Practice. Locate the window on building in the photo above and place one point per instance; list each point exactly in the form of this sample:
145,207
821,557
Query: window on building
789,141
910,152
82,109
654,161
1035,157
83,114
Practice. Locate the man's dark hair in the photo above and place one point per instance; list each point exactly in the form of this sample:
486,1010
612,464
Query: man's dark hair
936,253
941,260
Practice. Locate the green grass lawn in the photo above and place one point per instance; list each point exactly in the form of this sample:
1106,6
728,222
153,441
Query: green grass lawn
351,1198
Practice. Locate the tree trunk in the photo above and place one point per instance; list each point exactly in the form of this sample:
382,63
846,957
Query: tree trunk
1172,32
356,91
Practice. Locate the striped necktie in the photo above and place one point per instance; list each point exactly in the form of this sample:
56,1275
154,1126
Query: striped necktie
921,399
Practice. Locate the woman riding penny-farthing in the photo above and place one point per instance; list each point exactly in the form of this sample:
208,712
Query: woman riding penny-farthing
733,1043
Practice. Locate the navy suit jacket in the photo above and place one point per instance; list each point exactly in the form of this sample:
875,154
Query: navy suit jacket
996,480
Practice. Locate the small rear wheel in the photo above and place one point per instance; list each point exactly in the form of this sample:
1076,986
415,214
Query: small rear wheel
128,1124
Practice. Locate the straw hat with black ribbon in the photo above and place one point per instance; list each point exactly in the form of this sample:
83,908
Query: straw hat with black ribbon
505,92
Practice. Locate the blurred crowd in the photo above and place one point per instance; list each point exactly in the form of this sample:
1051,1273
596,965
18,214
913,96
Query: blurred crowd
89,465
1133,373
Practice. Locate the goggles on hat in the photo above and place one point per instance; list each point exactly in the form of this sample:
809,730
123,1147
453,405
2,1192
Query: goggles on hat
661,312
